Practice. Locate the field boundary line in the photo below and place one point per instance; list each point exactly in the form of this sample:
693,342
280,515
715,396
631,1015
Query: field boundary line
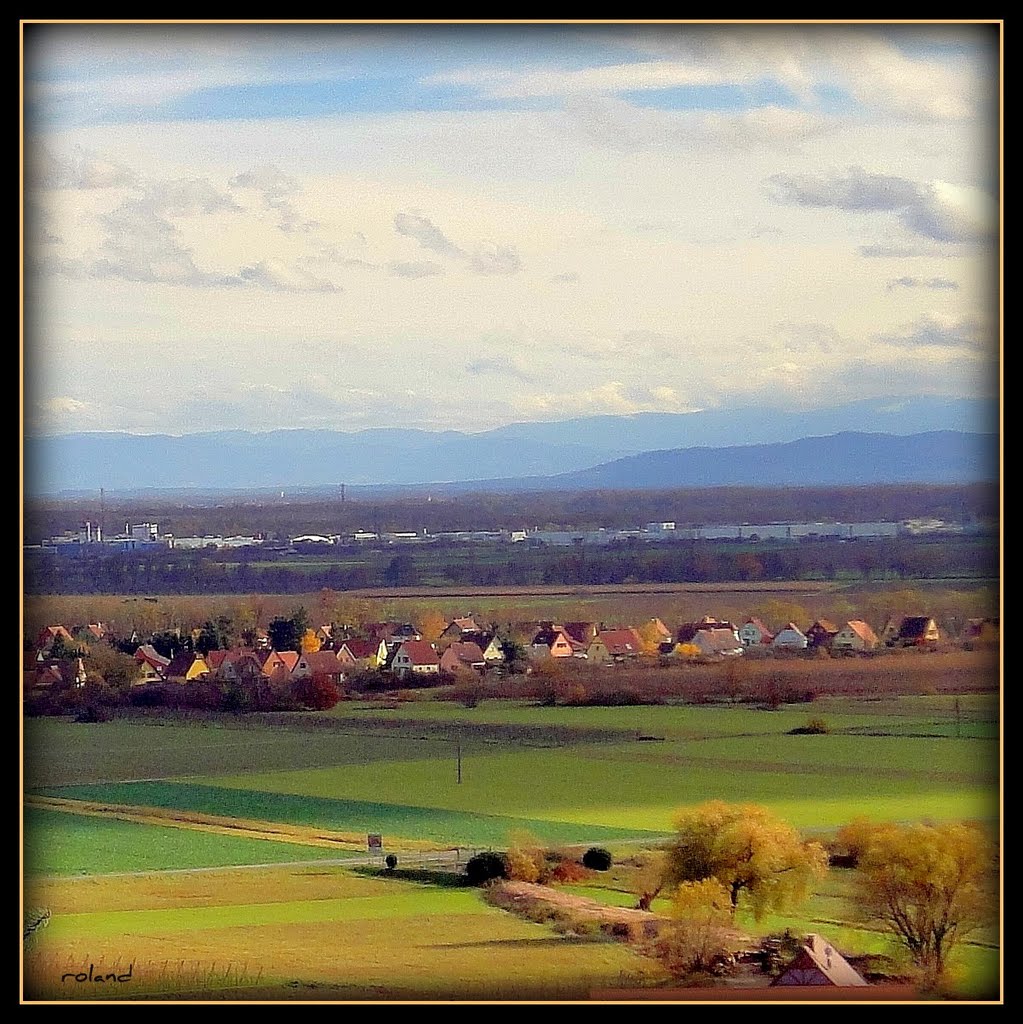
283,832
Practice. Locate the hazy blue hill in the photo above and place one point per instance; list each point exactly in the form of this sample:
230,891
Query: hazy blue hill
397,456
941,456
648,431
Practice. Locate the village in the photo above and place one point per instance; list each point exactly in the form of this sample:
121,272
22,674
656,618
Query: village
402,653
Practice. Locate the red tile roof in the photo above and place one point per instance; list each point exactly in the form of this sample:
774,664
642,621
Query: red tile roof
863,631
467,653
363,648
420,652
620,641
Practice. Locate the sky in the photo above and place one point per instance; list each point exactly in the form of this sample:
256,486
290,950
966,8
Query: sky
347,226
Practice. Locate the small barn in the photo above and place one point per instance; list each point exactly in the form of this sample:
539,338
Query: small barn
819,963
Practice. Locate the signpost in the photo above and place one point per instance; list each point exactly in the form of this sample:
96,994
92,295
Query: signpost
375,843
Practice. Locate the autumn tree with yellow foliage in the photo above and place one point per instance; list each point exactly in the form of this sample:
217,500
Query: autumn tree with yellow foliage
753,854
310,642
928,885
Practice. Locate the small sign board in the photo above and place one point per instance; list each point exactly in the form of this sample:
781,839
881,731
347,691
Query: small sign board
375,841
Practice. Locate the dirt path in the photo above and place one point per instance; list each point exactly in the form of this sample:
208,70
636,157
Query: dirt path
280,832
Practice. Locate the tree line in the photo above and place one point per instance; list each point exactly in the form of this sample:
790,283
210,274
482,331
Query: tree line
576,510
703,561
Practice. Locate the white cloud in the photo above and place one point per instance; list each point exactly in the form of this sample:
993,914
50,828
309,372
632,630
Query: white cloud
64,405
424,268
933,283
276,276
77,170
425,232
492,258
936,209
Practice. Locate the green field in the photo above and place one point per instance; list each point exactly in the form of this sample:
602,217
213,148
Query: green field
468,827
59,752
57,843
921,715
261,932
812,781
312,933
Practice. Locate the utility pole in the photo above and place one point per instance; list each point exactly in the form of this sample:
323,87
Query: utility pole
958,731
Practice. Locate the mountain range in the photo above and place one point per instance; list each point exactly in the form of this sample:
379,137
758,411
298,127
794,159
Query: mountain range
932,440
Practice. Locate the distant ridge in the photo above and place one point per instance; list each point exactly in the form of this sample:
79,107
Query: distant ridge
844,459
238,459
849,458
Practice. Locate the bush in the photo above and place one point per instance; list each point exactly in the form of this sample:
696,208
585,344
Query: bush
468,691
569,871
316,692
486,866
408,696
597,859
526,859
93,713
813,727
152,695
391,862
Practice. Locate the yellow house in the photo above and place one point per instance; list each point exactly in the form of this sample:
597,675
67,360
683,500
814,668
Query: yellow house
187,667
855,635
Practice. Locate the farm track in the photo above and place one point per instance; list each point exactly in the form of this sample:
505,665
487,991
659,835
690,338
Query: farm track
279,832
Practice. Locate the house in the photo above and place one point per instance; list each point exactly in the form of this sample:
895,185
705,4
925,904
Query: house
366,654
660,631
50,633
717,643
54,675
550,642
146,673
319,663
148,655
753,633
685,632
241,666
456,627
278,665
581,632
916,631
460,656
415,657
855,635
90,632
983,631
393,632
489,644
890,632
791,638
613,645
186,666
819,963
821,634
214,659
380,630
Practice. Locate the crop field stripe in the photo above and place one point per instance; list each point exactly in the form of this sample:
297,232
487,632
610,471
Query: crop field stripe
173,920
281,832
446,826
60,844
